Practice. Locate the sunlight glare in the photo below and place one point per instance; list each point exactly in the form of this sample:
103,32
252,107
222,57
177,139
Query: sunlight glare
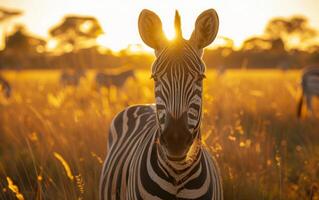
169,31
51,44
102,40
86,26
136,48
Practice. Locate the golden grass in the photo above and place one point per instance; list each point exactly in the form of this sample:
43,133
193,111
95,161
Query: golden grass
53,139
65,165
14,189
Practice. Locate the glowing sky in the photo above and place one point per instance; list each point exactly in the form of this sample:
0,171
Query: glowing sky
238,18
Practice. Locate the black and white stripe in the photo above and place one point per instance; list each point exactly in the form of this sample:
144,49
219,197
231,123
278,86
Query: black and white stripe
178,84
310,88
155,151
136,169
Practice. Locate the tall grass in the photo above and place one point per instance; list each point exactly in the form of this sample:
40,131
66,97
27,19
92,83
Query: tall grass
53,139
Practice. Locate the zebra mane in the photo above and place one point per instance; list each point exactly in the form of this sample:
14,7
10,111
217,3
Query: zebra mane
177,24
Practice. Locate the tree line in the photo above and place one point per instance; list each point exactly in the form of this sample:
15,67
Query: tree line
286,43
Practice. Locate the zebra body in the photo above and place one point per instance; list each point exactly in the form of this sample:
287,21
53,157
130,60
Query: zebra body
71,78
310,88
134,168
117,80
5,87
155,151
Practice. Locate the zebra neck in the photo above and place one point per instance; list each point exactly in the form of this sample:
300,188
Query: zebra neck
179,169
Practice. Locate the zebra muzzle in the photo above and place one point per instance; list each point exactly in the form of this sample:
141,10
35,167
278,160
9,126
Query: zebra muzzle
176,137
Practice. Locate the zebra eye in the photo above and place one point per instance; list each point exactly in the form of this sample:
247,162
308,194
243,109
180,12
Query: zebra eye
154,77
201,77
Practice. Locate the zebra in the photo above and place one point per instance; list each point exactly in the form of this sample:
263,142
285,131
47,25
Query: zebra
310,88
71,78
220,70
107,80
5,87
155,151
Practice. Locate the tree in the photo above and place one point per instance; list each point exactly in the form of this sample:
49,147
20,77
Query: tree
5,15
277,45
294,31
22,48
76,32
22,42
257,44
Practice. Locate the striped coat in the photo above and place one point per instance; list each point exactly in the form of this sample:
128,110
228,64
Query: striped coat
155,151
135,169
310,88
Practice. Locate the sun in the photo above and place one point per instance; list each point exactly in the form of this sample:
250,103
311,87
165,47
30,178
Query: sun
169,32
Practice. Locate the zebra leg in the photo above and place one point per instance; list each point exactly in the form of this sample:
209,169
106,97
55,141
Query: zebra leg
309,104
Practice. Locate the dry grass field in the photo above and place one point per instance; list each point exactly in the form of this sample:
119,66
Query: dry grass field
53,139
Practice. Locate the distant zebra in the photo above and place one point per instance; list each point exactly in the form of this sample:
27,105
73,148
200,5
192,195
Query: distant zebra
155,151
118,80
310,88
5,87
71,77
220,70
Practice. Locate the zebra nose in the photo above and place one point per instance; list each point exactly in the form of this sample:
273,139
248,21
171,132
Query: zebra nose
176,136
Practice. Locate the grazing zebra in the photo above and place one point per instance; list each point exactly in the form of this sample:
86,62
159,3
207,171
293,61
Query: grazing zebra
155,151
5,87
220,70
117,80
310,88
71,78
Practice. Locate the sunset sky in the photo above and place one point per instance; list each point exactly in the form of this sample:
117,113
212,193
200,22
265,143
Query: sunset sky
239,19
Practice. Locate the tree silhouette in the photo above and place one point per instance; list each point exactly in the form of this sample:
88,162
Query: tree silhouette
294,31
5,15
22,48
256,44
277,45
76,32
22,42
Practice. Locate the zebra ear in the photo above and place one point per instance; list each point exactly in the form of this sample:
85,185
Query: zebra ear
150,28
206,28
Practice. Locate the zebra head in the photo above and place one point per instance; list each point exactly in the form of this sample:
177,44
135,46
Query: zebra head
178,73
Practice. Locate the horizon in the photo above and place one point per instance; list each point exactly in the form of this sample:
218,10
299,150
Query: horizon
120,18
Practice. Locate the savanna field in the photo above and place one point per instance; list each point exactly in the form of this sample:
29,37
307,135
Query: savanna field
53,138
